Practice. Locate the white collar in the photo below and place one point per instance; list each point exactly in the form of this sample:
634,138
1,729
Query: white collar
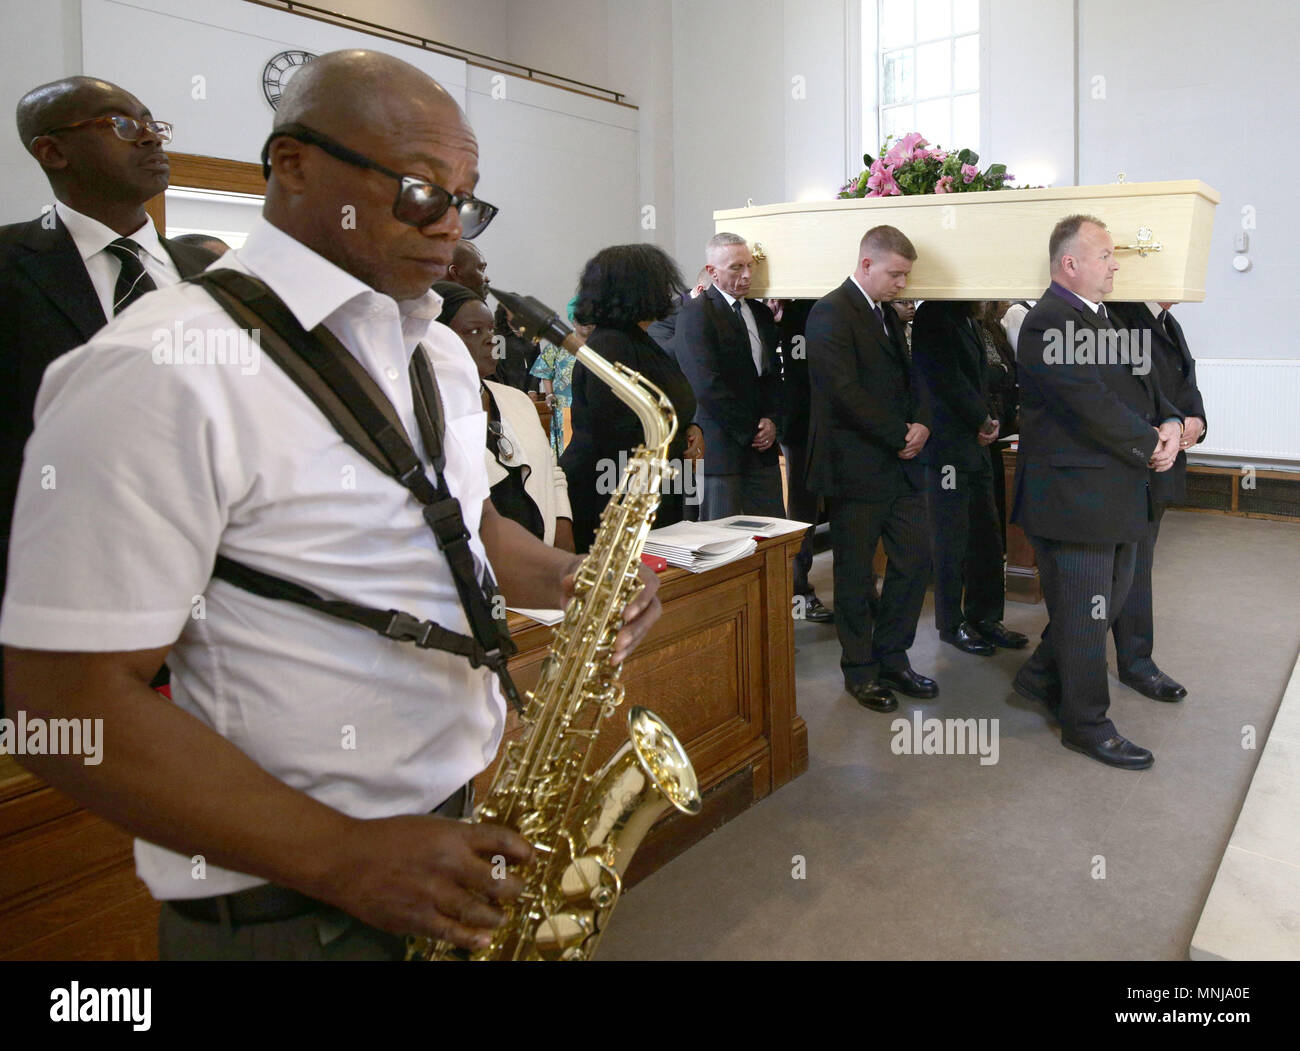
871,302
1088,303
91,236
1155,309
731,300
311,286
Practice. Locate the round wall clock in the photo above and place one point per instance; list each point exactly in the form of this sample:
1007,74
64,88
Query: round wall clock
275,77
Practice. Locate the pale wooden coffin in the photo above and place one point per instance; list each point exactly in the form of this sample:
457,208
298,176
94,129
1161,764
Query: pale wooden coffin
989,245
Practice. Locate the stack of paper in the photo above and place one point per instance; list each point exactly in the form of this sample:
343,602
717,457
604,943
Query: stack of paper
698,546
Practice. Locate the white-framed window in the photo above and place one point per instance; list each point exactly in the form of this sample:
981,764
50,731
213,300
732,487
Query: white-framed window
920,71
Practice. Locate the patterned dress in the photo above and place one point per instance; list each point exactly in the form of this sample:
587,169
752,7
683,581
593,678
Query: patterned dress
556,364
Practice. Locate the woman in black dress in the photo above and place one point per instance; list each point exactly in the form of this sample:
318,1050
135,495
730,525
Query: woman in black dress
622,291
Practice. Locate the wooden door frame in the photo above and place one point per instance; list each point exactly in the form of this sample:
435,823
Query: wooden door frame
194,171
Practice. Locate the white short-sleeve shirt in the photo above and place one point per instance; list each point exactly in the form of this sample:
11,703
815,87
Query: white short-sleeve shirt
144,465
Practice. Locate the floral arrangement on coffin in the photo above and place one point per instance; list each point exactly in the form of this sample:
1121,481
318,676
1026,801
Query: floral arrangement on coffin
910,167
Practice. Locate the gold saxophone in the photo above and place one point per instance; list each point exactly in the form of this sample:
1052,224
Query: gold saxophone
584,826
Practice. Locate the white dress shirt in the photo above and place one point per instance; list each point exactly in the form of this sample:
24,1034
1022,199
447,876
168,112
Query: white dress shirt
160,467
92,239
755,341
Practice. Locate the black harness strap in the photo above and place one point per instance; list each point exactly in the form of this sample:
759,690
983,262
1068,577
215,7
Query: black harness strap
363,416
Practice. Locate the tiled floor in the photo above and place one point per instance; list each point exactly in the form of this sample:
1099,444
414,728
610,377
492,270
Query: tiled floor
1045,854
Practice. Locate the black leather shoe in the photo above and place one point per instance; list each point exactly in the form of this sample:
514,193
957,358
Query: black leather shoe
966,640
1032,691
999,634
1159,687
909,682
1114,751
814,610
874,696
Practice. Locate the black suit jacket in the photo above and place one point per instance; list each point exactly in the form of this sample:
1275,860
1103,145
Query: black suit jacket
713,351
664,331
48,307
1175,369
796,384
864,394
1086,433
949,353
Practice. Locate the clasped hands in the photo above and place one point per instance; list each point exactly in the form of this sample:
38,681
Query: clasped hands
917,435
765,435
1169,435
989,431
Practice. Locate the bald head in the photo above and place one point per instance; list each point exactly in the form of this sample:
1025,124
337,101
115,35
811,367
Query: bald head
394,115
63,102
346,92
469,268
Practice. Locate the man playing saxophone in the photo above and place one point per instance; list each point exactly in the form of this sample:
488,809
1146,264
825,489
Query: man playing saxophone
282,800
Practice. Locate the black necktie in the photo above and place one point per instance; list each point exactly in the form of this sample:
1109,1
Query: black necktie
880,313
132,281
1167,323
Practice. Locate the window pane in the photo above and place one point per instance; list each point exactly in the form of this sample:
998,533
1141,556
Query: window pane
934,121
932,18
966,122
896,70
896,121
933,69
896,25
965,16
966,63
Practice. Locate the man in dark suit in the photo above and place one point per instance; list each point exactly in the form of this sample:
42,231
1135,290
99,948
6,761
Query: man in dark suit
871,417
664,331
726,346
1175,370
1093,422
64,274
948,349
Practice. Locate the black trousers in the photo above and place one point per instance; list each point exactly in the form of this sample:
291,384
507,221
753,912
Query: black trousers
871,638
1085,586
1134,628
968,574
802,507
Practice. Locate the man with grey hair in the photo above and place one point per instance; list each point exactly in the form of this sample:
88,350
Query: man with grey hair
726,346
871,418
1089,432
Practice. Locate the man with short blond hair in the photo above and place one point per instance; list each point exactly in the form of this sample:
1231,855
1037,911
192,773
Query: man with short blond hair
871,418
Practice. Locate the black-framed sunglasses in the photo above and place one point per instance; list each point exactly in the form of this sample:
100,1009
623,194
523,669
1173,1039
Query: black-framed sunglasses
419,202
128,128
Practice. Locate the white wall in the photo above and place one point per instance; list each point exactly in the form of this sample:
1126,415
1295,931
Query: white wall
37,50
226,43
1205,90
558,165
1028,89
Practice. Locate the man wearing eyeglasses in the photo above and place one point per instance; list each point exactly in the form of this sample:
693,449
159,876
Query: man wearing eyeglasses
282,802
87,258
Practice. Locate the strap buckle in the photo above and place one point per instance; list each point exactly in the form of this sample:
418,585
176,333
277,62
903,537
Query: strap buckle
404,627
444,519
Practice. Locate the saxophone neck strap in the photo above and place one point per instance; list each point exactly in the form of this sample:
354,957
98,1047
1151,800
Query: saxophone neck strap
335,381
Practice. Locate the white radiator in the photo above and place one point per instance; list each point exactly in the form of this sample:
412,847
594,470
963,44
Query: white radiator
1253,405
